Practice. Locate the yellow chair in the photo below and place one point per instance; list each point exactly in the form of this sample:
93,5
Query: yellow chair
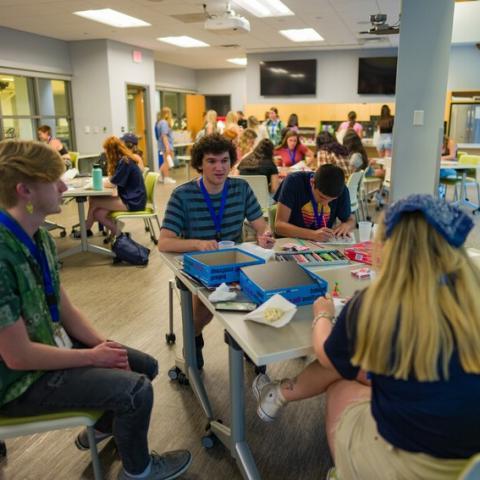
470,179
472,470
11,427
74,158
150,212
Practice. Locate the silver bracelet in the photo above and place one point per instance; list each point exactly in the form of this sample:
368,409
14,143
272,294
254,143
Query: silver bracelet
326,315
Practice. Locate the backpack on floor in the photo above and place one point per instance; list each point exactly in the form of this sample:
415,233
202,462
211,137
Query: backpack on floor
128,250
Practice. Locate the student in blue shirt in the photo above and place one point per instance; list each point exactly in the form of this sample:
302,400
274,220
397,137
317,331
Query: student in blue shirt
416,330
206,210
308,205
164,136
126,176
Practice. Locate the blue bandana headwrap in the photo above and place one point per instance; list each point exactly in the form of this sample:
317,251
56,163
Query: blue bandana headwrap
449,221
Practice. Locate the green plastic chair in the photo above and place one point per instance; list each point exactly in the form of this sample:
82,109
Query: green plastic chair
150,212
11,427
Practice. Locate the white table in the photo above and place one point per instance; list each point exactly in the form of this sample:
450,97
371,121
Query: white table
463,168
263,344
77,190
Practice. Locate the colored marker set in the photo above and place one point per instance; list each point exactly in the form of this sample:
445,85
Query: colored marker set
314,258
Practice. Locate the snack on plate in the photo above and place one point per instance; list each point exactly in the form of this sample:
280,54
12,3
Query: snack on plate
272,314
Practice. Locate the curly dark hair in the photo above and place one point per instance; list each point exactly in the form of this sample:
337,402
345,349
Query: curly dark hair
213,143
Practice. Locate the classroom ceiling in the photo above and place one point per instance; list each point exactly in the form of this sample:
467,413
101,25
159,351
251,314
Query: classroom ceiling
338,21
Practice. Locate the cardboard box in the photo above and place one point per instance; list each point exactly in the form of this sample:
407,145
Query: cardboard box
218,266
291,280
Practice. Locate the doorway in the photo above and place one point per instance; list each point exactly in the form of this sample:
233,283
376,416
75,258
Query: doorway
137,117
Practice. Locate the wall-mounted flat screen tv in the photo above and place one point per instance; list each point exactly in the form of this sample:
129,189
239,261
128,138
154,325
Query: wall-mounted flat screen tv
377,75
288,77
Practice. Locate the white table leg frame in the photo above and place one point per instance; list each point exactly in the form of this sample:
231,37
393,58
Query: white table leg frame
188,364
234,438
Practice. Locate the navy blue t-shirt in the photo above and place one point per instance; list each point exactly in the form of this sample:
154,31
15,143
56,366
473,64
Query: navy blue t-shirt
439,418
295,193
128,179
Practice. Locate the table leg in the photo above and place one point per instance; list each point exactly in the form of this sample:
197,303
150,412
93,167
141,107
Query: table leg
234,438
189,364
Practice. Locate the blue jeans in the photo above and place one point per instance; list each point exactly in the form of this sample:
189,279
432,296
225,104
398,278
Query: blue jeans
125,396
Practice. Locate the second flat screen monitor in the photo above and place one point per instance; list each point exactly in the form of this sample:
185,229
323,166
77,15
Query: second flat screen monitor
292,77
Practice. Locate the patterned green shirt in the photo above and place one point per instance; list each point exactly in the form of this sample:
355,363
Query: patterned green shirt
22,294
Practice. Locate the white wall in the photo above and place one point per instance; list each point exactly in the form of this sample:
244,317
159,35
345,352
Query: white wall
122,71
175,77
33,52
228,81
90,94
337,75
464,70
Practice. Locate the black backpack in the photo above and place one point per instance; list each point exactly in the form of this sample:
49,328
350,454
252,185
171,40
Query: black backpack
128,250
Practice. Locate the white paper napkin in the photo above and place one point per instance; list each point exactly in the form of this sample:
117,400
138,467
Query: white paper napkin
277,301
222,294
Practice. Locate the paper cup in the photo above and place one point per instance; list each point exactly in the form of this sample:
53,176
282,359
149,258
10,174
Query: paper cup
226,244
364,231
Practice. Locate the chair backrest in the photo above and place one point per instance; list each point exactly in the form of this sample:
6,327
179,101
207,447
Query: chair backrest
472,470
74,158
259,185
151,182
144,173
353,185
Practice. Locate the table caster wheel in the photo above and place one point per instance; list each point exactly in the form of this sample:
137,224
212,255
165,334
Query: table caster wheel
3,449
63,234
208,441
174,373
182,379
170,338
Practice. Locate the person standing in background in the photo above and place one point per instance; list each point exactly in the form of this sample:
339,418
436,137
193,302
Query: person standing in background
385,127
231,120
351,123
242,121
274,126
357,155
292,123
164,135
259,128
44,133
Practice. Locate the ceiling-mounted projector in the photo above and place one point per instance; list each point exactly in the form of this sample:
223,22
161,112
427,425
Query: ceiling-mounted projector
226,22
381,27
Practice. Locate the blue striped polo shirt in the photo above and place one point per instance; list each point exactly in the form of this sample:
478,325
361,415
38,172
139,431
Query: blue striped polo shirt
187,214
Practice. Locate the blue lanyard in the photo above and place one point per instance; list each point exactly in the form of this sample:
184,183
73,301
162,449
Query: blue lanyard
41,259
273,127
292,154
217,219
319,219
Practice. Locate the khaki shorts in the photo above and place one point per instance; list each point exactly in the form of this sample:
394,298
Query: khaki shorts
362,454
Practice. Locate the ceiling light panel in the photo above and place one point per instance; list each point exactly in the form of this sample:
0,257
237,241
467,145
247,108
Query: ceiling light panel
302,35
112,18
238,61
183,41
265,8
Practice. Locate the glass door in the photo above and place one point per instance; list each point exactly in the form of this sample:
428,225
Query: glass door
137,116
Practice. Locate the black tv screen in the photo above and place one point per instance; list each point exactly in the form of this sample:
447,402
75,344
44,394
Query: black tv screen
291,77
377,75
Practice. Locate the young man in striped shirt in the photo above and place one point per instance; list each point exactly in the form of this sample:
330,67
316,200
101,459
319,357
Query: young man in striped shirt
204,211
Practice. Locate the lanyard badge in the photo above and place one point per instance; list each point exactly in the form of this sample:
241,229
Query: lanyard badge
292,154
216,218
319,217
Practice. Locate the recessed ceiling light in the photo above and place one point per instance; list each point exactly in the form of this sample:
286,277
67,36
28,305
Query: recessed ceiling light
112,17
302,35
183,41
238,61
265,8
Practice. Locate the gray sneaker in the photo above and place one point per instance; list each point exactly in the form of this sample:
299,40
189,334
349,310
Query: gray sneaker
269,397
166,466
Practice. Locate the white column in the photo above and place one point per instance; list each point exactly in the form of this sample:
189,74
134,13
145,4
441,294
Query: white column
424,50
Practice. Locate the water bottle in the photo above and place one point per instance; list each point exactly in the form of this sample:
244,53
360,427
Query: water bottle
97,177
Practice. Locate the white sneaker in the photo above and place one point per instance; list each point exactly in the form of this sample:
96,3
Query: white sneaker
169,181
269,397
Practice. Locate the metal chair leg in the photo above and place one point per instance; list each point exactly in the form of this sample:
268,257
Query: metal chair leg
97,469
170,336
